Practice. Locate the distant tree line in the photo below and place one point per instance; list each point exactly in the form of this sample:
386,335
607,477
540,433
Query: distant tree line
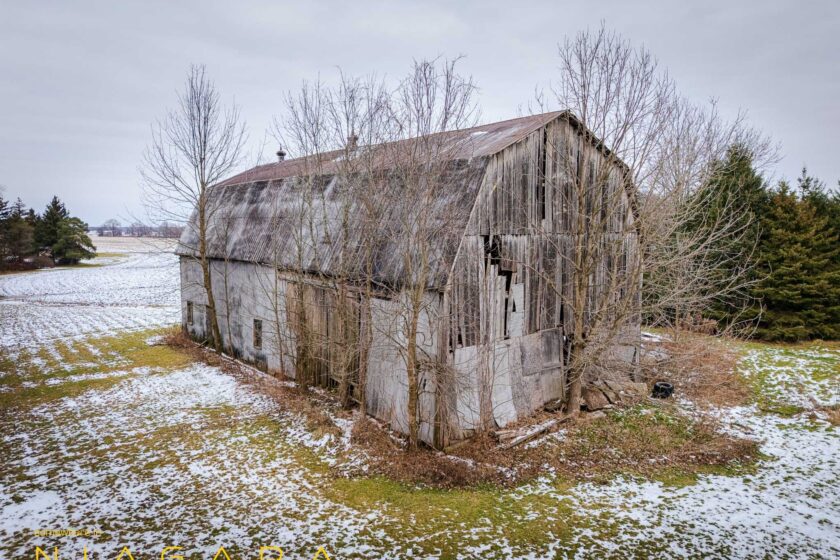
113,228
32,240
790,250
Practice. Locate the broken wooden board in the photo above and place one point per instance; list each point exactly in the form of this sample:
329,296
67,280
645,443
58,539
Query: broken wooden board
531,432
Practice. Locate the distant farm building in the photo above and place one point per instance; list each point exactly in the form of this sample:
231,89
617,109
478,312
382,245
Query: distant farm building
288,256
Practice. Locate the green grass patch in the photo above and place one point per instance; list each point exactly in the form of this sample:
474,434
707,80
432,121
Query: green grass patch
531,519
680,478
132,348
28,380
784,377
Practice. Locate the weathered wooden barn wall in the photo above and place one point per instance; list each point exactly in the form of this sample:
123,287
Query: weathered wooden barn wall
510,288
248,291
243,292
387,385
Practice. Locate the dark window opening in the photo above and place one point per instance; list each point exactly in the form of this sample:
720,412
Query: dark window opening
493,249
258,332
567,349
189,313
561,318
508,276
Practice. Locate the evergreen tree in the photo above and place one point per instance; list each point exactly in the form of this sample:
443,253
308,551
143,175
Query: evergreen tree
827,204
735,192
19,233
5,209
46,227
5,213
799,254
73,243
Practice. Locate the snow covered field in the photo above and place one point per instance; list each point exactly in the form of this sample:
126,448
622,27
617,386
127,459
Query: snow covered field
134,287
101,431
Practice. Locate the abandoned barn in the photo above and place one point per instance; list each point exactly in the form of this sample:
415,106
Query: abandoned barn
345,270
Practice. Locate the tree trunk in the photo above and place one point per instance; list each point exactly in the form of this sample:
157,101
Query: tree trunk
365,342
216,335
573,399
413,377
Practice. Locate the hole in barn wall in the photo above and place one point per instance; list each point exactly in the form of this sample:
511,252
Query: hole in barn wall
493,253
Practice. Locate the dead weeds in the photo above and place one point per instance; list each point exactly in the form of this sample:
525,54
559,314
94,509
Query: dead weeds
640,440
701,368
832,413
643,439
389,457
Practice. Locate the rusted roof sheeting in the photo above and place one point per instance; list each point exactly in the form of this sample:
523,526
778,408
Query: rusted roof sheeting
468,143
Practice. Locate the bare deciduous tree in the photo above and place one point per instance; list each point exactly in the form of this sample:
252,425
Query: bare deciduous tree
386,162
431,101
633,117
195,146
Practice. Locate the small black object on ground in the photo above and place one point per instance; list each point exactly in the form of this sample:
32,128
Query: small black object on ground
662,390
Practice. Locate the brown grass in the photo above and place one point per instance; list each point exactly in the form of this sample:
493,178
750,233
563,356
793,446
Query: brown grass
643,439
832,414
701,368
389,457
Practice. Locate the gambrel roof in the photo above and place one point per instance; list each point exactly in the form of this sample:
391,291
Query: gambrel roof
466,144
296,215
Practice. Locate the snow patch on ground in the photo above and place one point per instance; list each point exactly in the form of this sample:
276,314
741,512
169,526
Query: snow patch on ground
194,457
180,453
802,377
41,309
791,503
33,511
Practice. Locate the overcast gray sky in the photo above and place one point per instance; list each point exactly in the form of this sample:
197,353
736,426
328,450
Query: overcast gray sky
82,81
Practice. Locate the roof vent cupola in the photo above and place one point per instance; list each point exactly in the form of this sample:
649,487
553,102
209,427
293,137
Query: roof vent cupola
281,154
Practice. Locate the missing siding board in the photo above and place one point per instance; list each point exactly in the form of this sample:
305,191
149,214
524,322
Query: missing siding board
508,276
258,334
492,249
207,330
494,262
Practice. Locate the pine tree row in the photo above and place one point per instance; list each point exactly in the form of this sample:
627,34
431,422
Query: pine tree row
31,240
789,255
